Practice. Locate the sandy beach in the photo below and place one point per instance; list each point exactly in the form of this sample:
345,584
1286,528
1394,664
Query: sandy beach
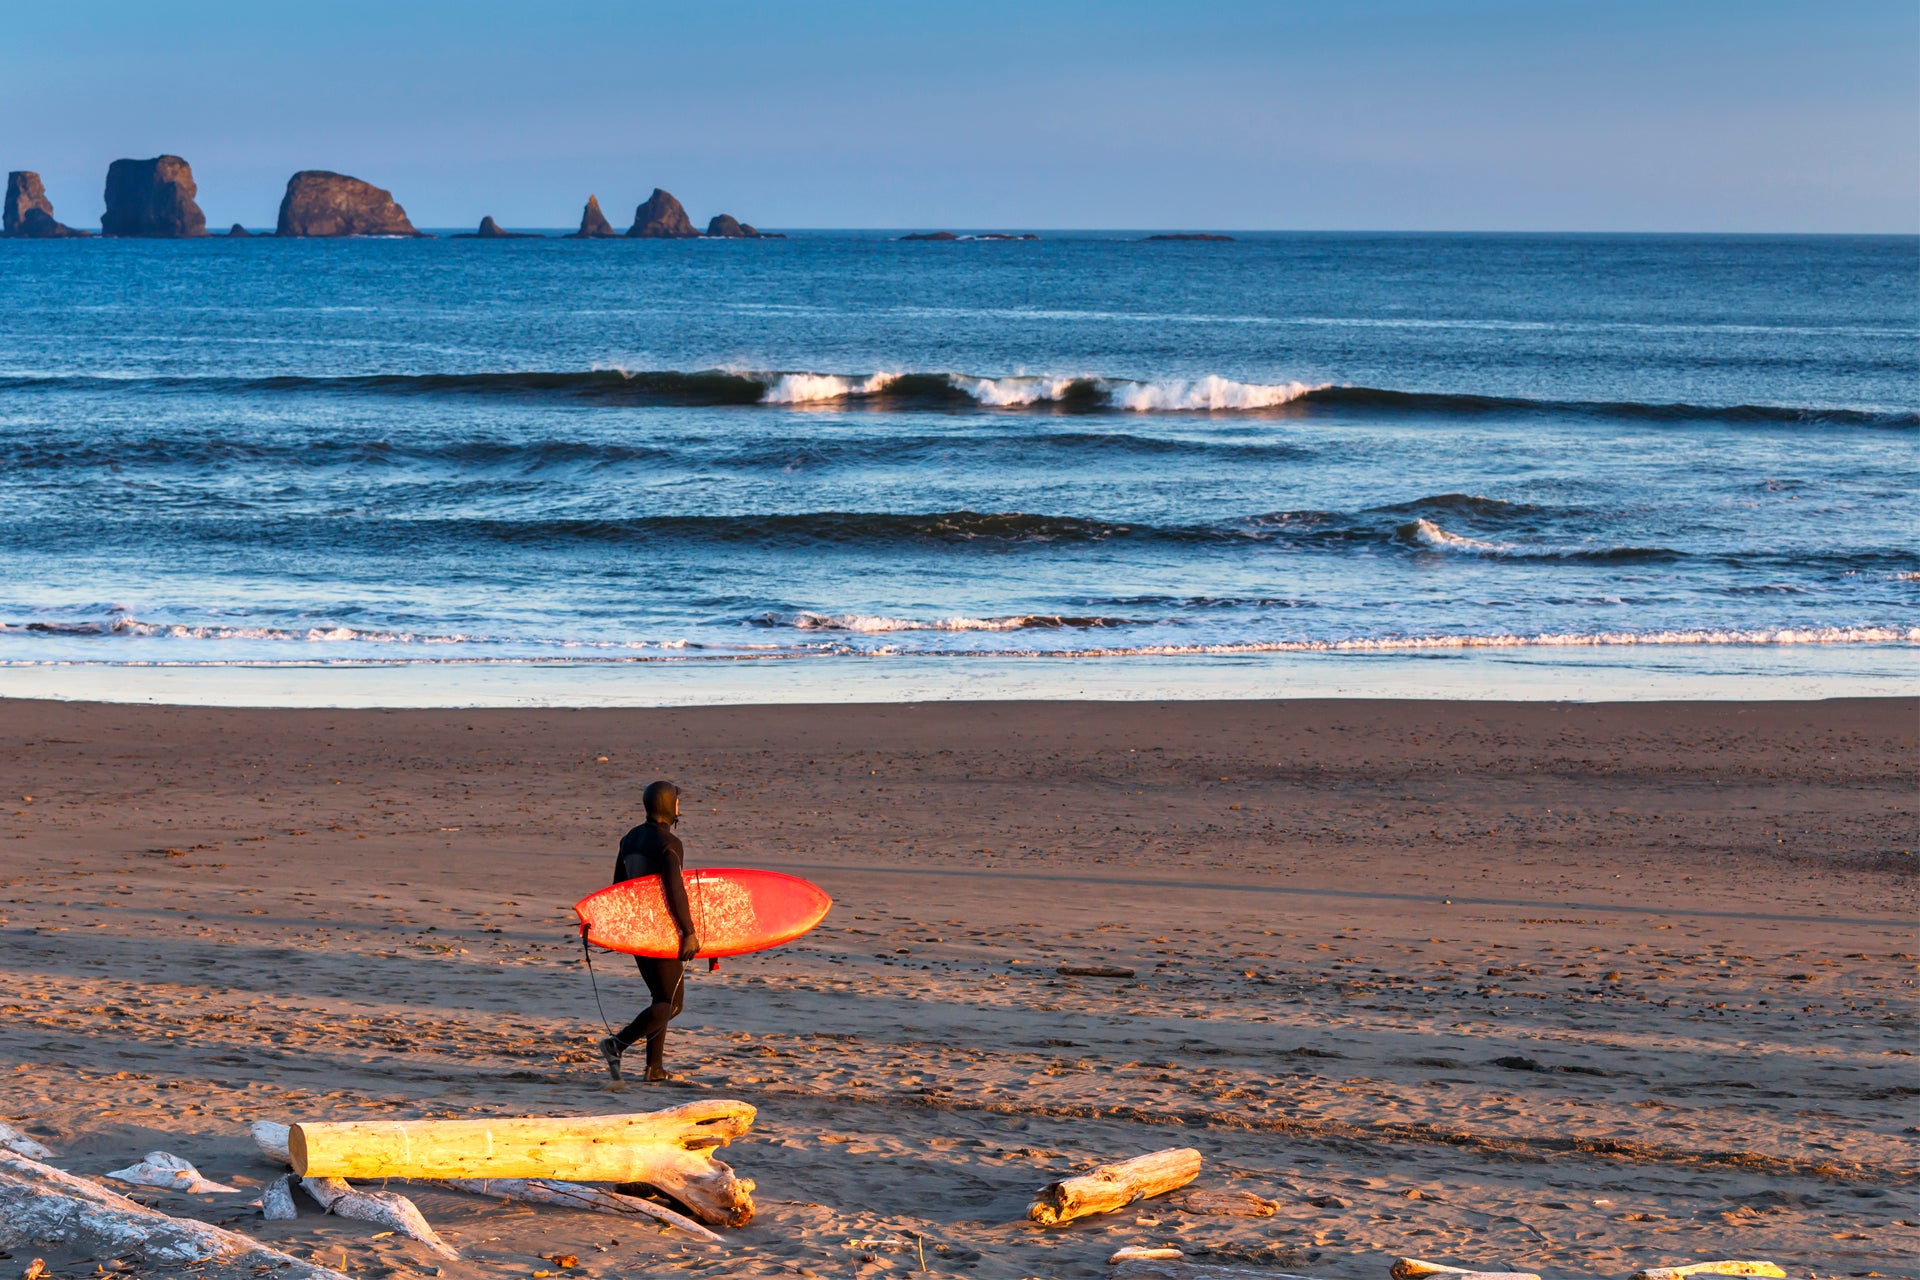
1568,988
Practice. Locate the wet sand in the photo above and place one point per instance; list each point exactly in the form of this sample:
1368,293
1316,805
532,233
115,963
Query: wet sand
1569,988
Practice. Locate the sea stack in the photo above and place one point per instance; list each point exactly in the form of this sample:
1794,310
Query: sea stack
237,230
321,203
152,198
491,230
662,218
727,227
593,223
28,213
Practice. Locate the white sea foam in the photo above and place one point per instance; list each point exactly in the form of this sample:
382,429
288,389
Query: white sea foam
1430,534
1210,392
1007,393
869,624
811,388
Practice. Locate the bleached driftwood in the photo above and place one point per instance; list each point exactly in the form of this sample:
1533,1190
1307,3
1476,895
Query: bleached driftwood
40,1205
276,1201
1731,1267
671,1151
271,1138
1226,1204
20,1144
383,1208
1114,1186
1415,1269
1144,1253
166,1170
571,1195
1141,1268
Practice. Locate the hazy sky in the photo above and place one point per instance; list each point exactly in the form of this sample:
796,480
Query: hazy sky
1471,114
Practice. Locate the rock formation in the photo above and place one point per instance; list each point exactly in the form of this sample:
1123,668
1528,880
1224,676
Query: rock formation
724,226
593,223
319,203
661,218
237,230
490,230
28,213
152,198
931,235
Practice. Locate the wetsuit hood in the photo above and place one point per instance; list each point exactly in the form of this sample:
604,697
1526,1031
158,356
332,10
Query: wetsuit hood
663,803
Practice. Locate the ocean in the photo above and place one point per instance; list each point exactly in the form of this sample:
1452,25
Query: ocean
845,466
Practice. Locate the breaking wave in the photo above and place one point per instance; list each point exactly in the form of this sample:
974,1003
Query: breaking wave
942,390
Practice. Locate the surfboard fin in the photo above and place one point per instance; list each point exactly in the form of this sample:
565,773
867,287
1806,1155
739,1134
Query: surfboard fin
713,963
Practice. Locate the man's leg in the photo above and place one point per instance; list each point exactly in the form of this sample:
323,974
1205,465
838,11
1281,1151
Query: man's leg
666,981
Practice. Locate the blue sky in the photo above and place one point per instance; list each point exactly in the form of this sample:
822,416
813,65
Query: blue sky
1363,114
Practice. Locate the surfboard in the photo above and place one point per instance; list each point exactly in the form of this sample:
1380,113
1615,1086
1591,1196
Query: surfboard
735,911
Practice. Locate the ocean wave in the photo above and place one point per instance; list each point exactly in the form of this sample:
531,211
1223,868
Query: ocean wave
1210,393
595,653
869,624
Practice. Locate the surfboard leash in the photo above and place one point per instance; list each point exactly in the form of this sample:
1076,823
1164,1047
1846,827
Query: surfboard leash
587,951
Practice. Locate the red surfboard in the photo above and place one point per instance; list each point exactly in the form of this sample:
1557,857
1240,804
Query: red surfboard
735,911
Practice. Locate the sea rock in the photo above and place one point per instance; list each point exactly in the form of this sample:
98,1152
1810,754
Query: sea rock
321,203
931,235
152,198
237,230
39,225
24,192
593,223
726,226
661,218
490,230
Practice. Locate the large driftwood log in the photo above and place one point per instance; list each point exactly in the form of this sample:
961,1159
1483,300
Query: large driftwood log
669,1150
1731,1267
571,1195
383,1208
1114,1186
1140,1267
169,1172
40,1205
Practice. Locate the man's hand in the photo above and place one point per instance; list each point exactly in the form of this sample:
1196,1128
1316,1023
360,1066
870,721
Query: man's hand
689,946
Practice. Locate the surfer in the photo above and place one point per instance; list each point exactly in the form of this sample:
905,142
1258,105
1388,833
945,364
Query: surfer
651,849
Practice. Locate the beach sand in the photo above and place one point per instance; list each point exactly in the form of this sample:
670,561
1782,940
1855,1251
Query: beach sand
1570,988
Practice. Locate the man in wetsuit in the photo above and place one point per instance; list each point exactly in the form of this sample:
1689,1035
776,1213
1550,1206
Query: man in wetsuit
651,849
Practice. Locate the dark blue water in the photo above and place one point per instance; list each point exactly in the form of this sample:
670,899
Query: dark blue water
839,445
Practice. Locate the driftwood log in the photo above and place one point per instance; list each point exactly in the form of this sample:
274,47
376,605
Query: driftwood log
671,1151
1732,1267
276,1201
271,1138
1415,1269
170,1173
1140,1267
1226,1204
40,1205
383,1208
20,1144
571,1195
1114,1186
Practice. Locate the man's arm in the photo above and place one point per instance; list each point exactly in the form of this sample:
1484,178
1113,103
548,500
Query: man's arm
675,887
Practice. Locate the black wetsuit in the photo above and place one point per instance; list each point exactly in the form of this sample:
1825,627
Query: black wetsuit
653,850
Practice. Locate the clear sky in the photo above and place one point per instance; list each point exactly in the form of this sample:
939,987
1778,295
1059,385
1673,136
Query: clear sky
1681,115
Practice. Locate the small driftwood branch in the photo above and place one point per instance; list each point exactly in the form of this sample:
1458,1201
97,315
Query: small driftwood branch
271,1138
1415,1269
670,1151
21,1145
168,1171
1093,971
1144,1268
1727,1268
571,1195
1114,1186
1226,1204
276,1201
40,1205
383,1208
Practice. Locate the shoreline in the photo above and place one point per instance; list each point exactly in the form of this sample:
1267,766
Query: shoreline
1564,987
1719,673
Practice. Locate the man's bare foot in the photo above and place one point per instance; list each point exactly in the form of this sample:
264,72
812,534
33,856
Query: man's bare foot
657,1074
